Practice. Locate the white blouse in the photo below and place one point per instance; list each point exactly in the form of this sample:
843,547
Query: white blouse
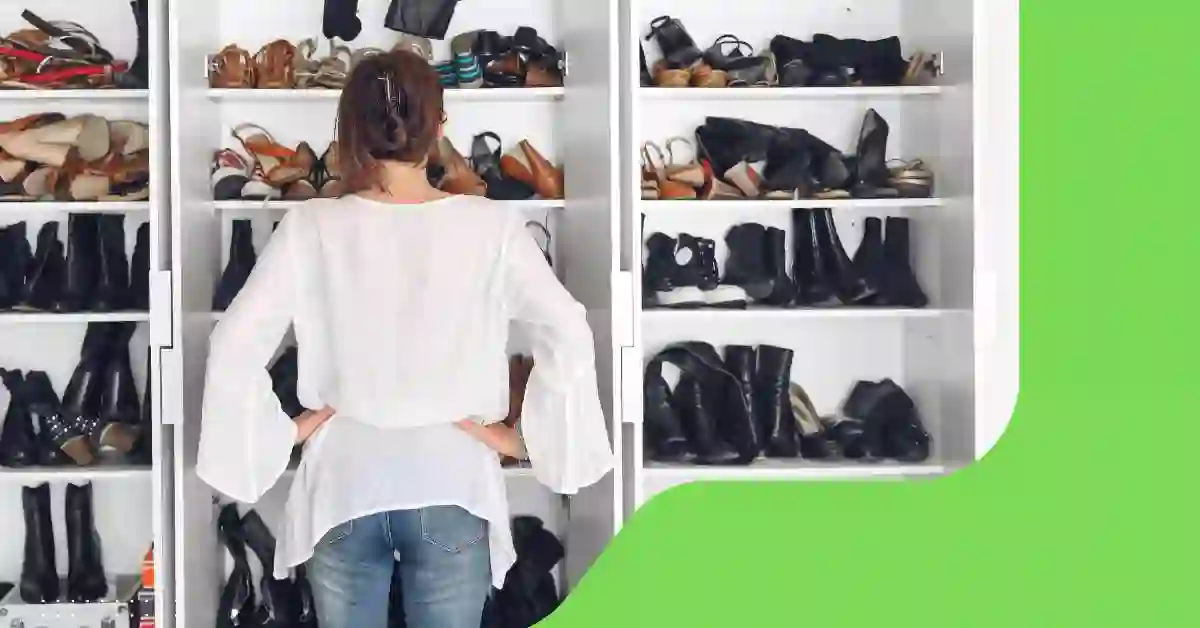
401,314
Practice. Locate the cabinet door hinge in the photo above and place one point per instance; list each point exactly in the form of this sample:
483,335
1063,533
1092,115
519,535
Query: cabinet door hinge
162,326
563,64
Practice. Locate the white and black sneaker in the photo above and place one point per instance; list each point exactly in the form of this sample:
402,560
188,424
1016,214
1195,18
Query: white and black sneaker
667,276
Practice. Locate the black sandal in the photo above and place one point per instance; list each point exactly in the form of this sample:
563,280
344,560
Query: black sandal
486,163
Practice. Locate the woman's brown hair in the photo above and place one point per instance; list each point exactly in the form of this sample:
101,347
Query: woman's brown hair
390,110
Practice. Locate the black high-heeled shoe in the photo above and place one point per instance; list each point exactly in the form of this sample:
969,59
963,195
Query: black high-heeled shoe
486,163
871,172
678,48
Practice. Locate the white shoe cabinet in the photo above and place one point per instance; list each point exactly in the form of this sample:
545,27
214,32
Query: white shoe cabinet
131,503
947,356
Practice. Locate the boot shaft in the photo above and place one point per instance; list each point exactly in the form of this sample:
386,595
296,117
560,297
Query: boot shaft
897,246
83,262
18,442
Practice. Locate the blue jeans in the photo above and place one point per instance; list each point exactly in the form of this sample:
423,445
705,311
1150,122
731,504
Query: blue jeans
444,564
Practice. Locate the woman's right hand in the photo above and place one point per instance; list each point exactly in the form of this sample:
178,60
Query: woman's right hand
308,423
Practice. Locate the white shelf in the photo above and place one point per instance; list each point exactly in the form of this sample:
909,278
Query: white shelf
791,470
79,207
516,94
854,203
34,475
785,93
511,473
49,318
770,313
51,95
251,206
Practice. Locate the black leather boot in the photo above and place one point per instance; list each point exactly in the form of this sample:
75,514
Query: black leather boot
678,48
285,373
870,263
828,59
892,422
789,166
665,440
851,288
789,59
120,414
85,576
83,263
85,392
242,258
773,386
47,273
901,286
303,603
745,266
39,578
140,68
700,425
112,289
742,363
775,262
143,449
814,285
18,442
139,272
871,175
15,260
881,63
274,608
236,606
60,440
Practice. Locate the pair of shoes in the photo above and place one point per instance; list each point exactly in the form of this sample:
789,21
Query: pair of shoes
94,275
668,179
58,54
26,439
271,171
272,67
518,174
280,602
879,420
523,60
681,273
827,61
100,410
48,156
529,594
463,69
684,65
40,584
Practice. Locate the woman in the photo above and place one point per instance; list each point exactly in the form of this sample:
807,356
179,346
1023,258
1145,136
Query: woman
401,297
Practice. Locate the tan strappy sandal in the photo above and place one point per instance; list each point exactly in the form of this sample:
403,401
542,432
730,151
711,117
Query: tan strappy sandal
688,173
668,190
275,63
232,68
334,70
277,164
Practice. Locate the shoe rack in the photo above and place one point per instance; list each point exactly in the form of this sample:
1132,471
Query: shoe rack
569,125
130,501
931,351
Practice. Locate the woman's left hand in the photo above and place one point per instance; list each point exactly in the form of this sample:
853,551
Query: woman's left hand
501,438
308,423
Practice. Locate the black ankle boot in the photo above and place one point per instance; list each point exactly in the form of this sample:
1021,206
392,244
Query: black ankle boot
82,398
242,258
85,577
83,263
870,263
60,440
772,386
112,289
775,257
139,272
789,60
678,48
814,285
742,362
881,63
902,287
236,606
665,440
700,425
15,260
273,610
674,284
39,578
718,295
827,57
285,373
744,267
851,288
45,277
140,68
871,172
120,410
892,427
18,442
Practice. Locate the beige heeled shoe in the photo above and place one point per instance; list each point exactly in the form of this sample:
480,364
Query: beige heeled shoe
668,190
690,173
460,178
51,144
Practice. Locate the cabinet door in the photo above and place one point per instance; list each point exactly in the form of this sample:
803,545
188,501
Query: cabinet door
195,253
588,234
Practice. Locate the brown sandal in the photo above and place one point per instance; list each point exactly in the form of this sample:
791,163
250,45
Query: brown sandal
705,75
277,164
276,67
460,178
691,173
666,77
232,68
668,190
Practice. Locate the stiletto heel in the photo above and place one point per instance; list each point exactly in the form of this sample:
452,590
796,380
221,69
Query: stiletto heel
525,164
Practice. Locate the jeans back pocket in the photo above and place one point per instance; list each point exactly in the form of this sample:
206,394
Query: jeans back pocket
451,528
